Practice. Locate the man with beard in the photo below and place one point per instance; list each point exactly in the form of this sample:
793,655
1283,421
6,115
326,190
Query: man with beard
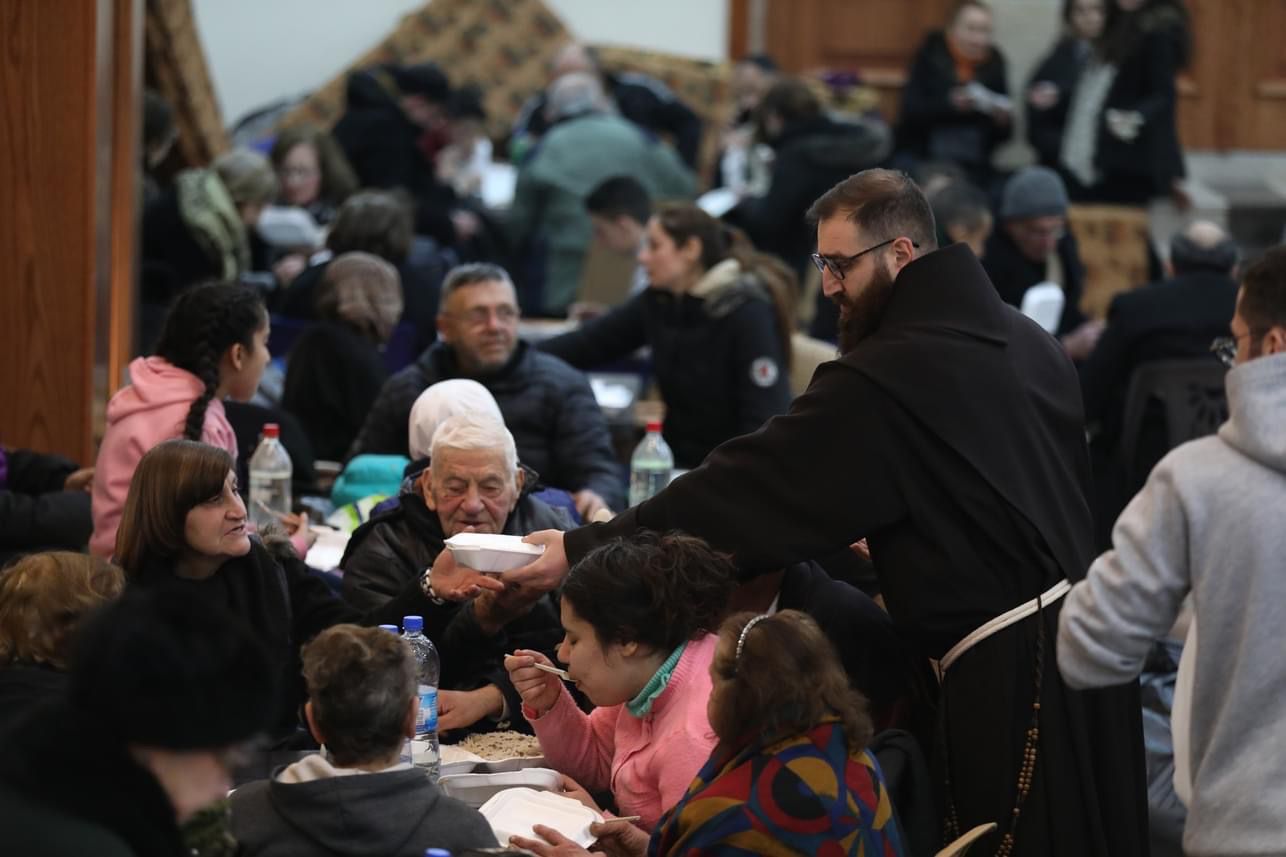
950,436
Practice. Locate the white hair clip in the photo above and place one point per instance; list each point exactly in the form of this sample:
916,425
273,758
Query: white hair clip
741,641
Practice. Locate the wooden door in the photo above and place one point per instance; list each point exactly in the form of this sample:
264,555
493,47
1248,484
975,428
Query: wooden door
875,38
1233,93
69,78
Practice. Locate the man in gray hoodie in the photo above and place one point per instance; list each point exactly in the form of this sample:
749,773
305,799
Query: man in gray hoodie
360,798
1209,522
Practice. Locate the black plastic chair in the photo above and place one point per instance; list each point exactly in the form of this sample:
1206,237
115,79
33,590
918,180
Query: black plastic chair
1191,397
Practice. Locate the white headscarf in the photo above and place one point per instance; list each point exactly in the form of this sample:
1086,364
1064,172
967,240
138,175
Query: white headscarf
442,401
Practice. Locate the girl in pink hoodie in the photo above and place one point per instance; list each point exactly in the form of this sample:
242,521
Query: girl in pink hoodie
638,616
214,345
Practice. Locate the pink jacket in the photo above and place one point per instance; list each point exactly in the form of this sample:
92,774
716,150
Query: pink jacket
648,763
151,409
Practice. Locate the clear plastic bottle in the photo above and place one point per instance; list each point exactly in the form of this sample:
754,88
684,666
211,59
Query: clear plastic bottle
651,466
427,671
270,472
406,756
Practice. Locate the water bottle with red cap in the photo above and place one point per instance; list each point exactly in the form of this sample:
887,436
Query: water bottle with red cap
270,472
651,466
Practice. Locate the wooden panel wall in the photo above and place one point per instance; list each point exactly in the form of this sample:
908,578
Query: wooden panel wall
58,88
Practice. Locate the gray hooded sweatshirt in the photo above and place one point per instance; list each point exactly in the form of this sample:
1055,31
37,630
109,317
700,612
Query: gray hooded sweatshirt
1211,520
311,808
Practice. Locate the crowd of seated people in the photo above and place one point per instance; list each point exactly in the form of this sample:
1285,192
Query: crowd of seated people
401,346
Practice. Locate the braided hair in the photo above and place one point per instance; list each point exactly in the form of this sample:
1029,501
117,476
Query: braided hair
203,323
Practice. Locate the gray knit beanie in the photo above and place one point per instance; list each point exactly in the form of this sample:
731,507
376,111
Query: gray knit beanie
1033,192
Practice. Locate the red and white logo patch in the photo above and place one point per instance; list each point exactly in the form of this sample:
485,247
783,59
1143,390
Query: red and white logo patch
764,371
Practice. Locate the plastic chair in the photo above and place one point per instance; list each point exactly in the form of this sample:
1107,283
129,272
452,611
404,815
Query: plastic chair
1195,404
1043,304
961,846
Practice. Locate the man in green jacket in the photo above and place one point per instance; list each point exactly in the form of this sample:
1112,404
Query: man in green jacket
587,144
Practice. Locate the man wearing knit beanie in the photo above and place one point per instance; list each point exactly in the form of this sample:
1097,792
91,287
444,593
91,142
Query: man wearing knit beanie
165,688
1033,245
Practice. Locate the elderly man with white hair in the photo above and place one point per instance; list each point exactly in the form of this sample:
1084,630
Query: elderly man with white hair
586,144
473,484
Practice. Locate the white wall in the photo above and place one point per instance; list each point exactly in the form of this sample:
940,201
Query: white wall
263,50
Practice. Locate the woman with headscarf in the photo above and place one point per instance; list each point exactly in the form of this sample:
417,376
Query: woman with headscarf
336,368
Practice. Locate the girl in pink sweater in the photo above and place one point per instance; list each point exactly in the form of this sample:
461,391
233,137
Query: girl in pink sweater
637,615
214,345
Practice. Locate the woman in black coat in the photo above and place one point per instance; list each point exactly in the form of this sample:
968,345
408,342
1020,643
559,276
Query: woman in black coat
185,528
718,323
955,104
336,368
1051,87
1121,144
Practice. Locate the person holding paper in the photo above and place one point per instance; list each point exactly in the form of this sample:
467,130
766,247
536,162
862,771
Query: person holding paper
955,105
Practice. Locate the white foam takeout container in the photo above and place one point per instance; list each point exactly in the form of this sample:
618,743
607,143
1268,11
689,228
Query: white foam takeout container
515,811
492,552
477,789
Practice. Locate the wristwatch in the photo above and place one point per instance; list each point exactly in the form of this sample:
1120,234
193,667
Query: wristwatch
426,586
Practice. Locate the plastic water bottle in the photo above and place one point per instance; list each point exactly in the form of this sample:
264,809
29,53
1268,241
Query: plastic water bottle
270,472
407,755
651,466
427,670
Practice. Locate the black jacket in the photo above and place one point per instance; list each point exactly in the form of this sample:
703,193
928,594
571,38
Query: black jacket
332,379
549,407
811,157
644,100
878,662
1145,83
61,798
35,512
396,546
929,127
171,259
1170,320
1013,274
719,361
26,687
285,605
382,144
1063,69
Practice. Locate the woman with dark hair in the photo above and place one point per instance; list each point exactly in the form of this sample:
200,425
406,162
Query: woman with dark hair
955,105
718,319
43,598
639,617
1050,92
214,345
313,173
1120,144
184,527
336,367
791,773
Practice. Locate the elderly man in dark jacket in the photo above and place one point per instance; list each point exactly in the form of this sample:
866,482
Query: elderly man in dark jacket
473,484
548,405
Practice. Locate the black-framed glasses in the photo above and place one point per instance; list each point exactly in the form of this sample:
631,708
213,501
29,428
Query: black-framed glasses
1225,348
838,266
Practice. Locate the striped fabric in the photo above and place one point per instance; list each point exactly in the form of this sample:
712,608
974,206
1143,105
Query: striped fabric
803,795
